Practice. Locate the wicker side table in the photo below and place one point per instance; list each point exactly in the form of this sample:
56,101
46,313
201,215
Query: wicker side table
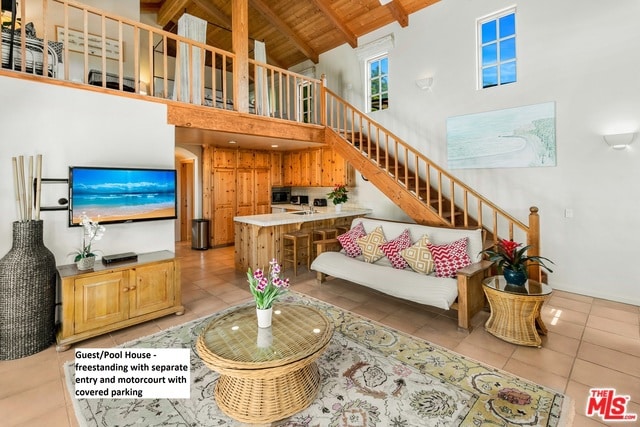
265,374
515,310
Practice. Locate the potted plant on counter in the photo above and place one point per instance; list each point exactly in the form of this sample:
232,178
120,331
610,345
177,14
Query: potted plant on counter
338,195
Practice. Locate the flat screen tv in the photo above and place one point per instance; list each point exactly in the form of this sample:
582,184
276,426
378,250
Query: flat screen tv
113,195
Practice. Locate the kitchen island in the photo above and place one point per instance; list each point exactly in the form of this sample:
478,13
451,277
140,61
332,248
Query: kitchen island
258,238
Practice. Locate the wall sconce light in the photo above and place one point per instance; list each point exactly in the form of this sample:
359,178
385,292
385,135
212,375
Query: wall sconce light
620,141
425,83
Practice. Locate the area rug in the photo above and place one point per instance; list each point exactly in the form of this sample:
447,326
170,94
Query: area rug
372,375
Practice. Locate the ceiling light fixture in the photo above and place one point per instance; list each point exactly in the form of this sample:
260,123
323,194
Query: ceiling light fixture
232,142
384,2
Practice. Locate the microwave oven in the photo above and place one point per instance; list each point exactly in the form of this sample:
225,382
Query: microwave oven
280,195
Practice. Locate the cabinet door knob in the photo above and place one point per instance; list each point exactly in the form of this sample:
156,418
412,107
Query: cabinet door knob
133,288
125,289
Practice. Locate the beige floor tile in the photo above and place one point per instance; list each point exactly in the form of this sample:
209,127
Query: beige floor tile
206,306
551,314
73,420
584,421
482,355
612,341
575,297
565,328
560,343
535,374
617,360
616,305
572,304
483,339
614,326
55,418
21,407
544,359
134,332
594,375
616,314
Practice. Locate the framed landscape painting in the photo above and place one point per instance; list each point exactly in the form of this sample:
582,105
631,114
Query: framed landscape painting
510,138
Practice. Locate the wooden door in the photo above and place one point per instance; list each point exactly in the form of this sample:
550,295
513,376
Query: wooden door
262,191
100,301
151,288
224,201
244,195
186,199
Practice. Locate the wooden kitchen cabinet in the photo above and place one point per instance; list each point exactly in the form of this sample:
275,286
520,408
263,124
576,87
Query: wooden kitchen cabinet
321,167
111,297
276,169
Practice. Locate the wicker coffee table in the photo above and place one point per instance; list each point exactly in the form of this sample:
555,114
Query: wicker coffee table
265,374
515,310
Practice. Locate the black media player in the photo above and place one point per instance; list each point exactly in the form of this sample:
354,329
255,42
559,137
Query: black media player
126,256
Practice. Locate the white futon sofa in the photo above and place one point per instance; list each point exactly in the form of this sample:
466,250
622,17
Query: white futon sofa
463,293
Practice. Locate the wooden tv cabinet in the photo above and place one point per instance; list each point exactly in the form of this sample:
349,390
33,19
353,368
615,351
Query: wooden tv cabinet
114,296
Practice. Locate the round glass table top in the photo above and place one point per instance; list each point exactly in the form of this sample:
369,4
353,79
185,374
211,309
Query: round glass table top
296,331
531,287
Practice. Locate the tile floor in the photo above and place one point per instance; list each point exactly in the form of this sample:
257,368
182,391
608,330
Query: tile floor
591,342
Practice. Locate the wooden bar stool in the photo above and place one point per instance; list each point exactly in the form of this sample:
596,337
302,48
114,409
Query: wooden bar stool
322,234
296,243
342,229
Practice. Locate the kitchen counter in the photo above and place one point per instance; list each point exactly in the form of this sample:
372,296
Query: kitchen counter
258,238
320,213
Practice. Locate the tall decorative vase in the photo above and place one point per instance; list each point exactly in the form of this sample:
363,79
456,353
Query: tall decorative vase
512,277
27,293
264,317
339,207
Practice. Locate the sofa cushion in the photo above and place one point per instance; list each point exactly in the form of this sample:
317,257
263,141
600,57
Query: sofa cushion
370,245
418,256
392,248
449,258
349,239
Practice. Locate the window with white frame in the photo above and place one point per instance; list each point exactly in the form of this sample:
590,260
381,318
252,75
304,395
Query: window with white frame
497,49
378,83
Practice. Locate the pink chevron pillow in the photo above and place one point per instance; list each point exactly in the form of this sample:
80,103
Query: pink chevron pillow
450,258
392,248
349,240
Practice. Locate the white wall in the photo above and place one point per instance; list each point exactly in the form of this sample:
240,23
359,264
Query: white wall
583,55
74,127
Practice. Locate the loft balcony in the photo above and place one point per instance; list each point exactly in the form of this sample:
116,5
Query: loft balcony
85,47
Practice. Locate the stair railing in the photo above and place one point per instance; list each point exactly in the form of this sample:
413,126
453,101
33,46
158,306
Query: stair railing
455,203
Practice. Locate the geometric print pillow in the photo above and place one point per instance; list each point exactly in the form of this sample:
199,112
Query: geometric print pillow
419,256
392,249
349,239
450,258
370,245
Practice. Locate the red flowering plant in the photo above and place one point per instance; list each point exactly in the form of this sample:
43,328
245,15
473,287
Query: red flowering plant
339,194
512,256
267,288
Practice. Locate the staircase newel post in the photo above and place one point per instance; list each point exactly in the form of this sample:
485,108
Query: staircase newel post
533,240
323,100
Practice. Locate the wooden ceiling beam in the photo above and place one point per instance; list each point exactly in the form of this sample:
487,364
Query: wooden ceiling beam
349,36
300,44
171,10
214,12
399,13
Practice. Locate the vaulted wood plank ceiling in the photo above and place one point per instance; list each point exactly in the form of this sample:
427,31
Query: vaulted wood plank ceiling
293,30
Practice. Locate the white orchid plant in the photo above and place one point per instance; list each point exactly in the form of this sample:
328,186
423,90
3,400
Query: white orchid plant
91,231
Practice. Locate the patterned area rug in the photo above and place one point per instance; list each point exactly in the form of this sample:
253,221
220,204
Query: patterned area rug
371,376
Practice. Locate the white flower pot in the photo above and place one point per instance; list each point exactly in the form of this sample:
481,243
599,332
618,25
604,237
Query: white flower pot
339,207
264,317
86,263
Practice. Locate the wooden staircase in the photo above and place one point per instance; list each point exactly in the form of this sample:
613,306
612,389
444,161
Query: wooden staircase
423,190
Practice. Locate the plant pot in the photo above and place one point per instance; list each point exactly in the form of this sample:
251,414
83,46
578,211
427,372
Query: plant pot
339,207
517,278
86,263
264,317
